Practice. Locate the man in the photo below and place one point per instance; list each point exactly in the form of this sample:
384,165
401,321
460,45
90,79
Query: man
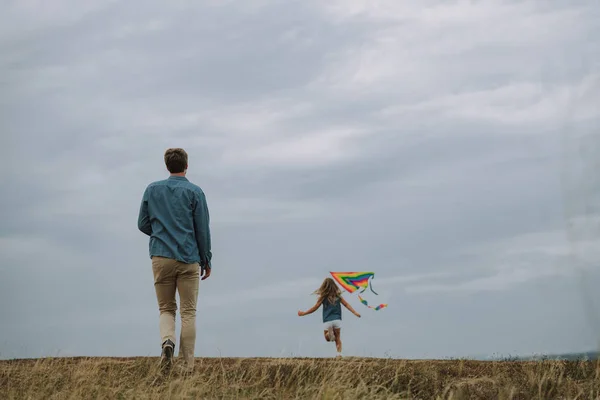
175,215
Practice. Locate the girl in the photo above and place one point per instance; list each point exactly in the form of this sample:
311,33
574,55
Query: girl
330,297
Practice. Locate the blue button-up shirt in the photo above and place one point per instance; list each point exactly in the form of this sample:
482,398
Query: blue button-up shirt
175,215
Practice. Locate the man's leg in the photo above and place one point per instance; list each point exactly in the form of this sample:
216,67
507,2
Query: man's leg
188,278
164,270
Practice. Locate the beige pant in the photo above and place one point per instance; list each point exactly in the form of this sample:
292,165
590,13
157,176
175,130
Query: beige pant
171,276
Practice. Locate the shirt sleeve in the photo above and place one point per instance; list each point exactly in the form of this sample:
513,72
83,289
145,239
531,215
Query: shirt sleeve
202,229
143,217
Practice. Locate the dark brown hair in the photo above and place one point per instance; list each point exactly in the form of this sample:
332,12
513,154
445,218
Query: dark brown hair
176,160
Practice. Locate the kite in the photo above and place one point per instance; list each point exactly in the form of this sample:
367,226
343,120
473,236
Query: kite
353,281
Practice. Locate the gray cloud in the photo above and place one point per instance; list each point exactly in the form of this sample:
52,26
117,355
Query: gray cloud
424,141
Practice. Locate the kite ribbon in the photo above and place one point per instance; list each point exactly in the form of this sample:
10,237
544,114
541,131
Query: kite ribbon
376,308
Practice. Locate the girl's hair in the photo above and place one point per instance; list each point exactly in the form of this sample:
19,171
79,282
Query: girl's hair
328,290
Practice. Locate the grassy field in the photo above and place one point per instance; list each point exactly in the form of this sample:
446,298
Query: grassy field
348,378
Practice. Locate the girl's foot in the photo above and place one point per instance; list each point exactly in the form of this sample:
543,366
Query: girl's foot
339,355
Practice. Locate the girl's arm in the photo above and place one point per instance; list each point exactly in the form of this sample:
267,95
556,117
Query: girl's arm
349,307
311,310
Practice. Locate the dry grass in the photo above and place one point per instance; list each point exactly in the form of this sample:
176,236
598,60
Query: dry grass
349,378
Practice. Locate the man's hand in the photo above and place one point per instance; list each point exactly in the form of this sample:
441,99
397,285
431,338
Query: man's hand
205,273
357,314
301,313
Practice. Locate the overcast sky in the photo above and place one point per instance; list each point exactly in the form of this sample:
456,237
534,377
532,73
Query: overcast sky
435,143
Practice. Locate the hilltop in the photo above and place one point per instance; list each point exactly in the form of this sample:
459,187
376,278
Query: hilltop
291,378
585,356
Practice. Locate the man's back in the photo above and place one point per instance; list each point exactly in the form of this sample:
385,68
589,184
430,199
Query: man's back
175,215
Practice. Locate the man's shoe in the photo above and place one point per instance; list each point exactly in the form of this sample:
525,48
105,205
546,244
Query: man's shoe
166,358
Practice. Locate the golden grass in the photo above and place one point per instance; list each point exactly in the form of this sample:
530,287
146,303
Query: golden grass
254,378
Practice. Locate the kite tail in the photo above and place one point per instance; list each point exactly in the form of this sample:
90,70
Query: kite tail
376,308
371,287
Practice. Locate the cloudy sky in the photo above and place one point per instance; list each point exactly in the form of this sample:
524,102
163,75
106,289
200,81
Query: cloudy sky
439,144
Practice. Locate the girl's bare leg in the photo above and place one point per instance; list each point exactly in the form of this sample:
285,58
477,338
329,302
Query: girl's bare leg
329,335
338,339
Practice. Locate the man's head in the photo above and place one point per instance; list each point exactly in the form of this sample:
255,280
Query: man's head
176,160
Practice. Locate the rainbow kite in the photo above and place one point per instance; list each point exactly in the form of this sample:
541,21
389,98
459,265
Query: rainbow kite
353,281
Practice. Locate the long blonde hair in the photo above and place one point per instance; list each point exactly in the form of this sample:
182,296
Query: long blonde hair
328,290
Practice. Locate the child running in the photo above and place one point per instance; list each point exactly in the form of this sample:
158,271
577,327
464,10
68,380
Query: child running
330,297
